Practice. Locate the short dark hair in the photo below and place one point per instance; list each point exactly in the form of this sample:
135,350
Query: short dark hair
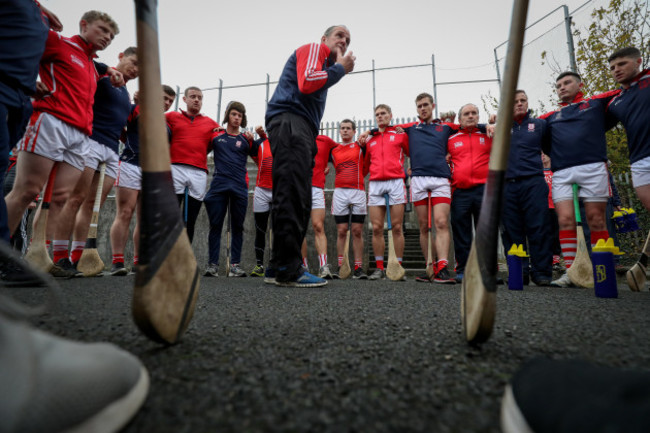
386,107
131,51
567,74
625,52
237,106
422,96
521,91
169,90
354,125
192,88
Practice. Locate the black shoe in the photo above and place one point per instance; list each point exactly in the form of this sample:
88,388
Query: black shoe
424,278
65,269
13,274
443,277
570,396
118,270
359,274
542,282
526,280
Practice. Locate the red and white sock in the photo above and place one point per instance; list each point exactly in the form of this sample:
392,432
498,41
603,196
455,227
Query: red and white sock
340,260
358,264
304,262
59,250
595,236
135,260
556,259
77,249
441,264
322,260
118,258
569,245
380,263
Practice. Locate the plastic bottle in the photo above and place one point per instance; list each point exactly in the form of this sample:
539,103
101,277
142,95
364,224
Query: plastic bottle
602,259
515,267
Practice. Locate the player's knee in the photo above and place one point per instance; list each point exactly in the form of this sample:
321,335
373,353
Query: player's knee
357,231
318,227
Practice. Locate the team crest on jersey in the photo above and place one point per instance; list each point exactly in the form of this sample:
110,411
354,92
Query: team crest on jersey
481,140
531,127
439,128
583,105
238,144
458,144
77,60
351,146
392,138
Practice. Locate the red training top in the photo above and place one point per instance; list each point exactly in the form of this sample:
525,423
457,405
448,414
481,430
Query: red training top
325,146
470,156
385,155
191,138
348,163
264,161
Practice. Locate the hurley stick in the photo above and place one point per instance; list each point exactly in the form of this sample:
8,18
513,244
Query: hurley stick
636,276
228,239
478,289
430,271
90,264
167,276
394,271
581,272
345,271
37,254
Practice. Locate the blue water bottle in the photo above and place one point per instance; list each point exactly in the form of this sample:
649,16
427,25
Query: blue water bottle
516,267
602,258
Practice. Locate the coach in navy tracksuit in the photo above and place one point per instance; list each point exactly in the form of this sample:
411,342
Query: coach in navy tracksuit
229,188
525,200
293,118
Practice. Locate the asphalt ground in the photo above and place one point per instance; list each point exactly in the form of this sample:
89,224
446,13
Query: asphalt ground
355,356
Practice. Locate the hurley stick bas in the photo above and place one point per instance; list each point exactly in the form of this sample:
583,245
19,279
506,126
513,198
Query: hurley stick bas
478,288
37,254
167,275
430,271
90,264
394,271
581,272
345,271
636,275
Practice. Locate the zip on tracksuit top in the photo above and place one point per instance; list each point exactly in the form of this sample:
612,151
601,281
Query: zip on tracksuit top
577,131
303,84
470,155
525,159
632,108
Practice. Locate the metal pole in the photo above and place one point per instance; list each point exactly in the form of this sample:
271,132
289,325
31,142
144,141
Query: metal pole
178,96
496,62
268,88
435,87
569,39
374,101
219,103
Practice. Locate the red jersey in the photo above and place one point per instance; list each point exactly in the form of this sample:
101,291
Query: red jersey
325,146
68,70
264,161
548,177
191,138
348,163
385,155
470,156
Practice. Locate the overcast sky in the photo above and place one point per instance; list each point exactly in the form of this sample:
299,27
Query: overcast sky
240,42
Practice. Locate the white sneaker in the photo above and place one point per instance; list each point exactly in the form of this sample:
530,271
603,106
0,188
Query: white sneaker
212,270
325,272
563,281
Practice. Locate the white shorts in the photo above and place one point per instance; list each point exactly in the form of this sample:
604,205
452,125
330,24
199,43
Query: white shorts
394,187
129,176
592,179
345,198
192,177
98,153
262,198
421,185
641,172
54,139
317,198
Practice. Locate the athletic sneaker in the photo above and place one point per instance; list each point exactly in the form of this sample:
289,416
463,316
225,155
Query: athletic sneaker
359,274
258,271
557,267
13,274
212,270
575,396
236,271
52,384
563,281
325,272
65,269
379,274
459,277
304,280
118,270
269,275
424,278
443,277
